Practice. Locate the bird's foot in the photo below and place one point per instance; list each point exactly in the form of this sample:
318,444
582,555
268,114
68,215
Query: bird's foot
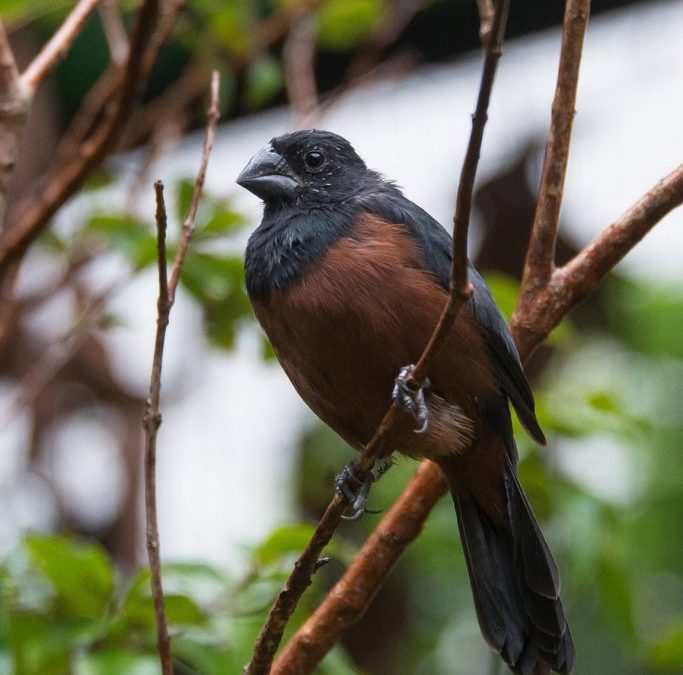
354,487
411,398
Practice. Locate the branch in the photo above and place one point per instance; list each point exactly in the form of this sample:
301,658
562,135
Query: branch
352,594
102,92
485,20
152,422
541,252
188,224
383,440
58,44
536,315
114,31
35,213
152,418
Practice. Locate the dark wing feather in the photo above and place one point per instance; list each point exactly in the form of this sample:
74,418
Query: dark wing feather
436,245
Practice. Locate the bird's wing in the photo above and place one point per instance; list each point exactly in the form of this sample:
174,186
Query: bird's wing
436,246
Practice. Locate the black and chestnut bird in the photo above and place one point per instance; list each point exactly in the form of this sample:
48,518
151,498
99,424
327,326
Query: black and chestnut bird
348,278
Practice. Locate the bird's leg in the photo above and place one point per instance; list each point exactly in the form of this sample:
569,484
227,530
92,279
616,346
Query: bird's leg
411,398
355,487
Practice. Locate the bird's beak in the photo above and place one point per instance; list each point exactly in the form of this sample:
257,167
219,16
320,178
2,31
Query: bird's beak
267,175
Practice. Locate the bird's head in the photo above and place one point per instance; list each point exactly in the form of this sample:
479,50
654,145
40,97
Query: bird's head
305,167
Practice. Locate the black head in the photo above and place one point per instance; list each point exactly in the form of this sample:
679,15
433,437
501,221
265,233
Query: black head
306,167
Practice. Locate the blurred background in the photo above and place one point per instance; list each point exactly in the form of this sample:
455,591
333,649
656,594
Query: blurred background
244,468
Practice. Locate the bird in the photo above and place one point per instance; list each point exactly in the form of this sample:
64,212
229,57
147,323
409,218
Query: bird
347,277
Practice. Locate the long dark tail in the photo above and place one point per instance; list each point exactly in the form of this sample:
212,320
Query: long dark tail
515,582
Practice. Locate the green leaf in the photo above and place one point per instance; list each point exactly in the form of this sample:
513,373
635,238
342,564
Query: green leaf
282,542
80,573
207,657
216,282
264,81
344,23
230,24
24,10
137,610
132,237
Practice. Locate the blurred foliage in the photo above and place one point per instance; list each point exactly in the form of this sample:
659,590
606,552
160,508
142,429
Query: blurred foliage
213,277
64,609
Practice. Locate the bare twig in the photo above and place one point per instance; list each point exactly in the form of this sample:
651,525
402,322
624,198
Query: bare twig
35,213
353,593
541,252
298,56
152,419
485,20
114,31
152,422
385,435
58,44
188,225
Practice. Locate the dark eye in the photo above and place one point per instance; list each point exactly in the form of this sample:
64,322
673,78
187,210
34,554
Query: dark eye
314,159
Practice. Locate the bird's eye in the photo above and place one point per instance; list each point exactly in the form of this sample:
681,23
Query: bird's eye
314,159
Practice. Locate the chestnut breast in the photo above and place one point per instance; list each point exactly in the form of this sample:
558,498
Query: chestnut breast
364,309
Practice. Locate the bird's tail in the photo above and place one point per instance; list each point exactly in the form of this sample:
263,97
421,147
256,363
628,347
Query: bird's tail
514,581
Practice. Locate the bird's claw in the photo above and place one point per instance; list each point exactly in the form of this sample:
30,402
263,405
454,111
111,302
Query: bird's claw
409,397
355,488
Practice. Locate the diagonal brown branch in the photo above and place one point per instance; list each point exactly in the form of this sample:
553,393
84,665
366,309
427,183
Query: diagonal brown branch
35,213
536,315
541,252
383,440
152,418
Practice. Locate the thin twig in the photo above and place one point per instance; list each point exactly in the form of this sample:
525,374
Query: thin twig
114,31
36,211
383,440
58,44
540,256
485,20
152,418
152,421
188,225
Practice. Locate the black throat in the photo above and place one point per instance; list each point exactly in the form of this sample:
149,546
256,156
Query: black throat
289,239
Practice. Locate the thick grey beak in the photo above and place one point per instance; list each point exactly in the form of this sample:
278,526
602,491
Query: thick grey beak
267,175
